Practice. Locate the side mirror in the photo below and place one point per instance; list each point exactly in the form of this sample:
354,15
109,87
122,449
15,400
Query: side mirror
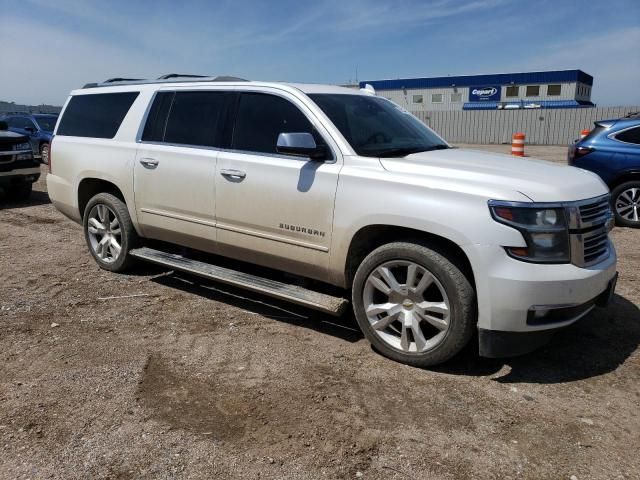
300,144
30,129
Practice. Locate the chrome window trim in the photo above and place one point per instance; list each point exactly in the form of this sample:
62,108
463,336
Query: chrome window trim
225,89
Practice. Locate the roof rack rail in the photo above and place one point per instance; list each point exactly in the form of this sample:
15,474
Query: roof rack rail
169,76
227,78
119,79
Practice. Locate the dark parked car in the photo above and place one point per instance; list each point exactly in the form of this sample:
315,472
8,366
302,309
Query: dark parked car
18,169
612,150
37,126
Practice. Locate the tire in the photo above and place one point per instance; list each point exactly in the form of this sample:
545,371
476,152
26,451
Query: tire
625,204
22,191
101,230
448,302
44,153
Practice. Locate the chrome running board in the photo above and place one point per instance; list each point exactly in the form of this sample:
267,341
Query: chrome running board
265,286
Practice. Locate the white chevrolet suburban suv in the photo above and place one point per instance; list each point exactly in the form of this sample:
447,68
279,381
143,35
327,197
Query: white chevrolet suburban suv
429,243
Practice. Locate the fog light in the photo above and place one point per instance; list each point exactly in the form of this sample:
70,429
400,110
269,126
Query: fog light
539,314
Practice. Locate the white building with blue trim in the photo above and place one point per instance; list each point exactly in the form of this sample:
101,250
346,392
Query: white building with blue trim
552,89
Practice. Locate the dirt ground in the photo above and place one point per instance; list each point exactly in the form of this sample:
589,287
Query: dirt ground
191,379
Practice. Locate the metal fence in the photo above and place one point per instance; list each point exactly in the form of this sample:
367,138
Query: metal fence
541,126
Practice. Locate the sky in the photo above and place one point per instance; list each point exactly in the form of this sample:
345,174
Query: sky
49,47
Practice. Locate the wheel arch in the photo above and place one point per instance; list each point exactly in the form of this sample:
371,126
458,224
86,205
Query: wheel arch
89,187
628,176
370,237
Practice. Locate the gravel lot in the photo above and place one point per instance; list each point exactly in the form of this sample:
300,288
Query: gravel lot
194,380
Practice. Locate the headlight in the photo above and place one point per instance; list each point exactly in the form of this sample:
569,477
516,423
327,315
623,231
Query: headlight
544,228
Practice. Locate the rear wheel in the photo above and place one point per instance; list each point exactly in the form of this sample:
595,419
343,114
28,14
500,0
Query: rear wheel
625,203
413,304
44,153
109,232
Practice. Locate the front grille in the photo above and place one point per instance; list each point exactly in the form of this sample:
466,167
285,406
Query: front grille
596,245
4,158
595,212
589,231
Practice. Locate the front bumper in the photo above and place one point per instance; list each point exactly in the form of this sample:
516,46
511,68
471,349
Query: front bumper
19,175
499,343
512,297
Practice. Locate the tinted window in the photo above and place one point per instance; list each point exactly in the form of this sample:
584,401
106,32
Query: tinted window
261,118
533,90
20,122
95,115
554,90
630,136
157,118
376,127
195,118
513,91
46,122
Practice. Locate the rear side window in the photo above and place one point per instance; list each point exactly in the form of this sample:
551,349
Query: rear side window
95,115
195,118
630,136
187,118
157,118
261,118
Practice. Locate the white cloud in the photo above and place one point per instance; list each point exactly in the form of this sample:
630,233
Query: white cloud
612,58
49,62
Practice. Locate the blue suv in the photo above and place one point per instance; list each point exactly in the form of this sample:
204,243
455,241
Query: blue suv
37,126
612,151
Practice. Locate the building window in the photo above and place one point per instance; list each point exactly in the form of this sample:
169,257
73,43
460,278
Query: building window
513,91
554,90
533,90
417,99
436,98
456,97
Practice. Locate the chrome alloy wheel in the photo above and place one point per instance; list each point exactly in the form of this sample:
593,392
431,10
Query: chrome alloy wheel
104,233
628,204
406,306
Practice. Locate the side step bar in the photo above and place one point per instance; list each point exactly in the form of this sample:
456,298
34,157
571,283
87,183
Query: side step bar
272,288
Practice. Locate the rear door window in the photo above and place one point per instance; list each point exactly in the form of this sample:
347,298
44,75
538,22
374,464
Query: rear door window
157,118
197,118
630,136
95,115
261,118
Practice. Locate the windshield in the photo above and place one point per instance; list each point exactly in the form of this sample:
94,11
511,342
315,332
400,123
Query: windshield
376,127
46,122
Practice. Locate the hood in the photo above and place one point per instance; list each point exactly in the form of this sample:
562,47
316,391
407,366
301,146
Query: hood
11,138
501,177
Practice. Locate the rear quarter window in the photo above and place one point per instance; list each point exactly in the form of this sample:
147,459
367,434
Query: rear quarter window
95,115
631,135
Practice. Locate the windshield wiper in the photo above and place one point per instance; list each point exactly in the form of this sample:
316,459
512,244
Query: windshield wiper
404,151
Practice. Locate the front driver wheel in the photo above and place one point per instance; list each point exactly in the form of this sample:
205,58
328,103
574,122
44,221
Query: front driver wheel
413,304
109,232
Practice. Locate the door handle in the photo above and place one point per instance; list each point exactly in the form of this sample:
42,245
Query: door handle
229,172
149,162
